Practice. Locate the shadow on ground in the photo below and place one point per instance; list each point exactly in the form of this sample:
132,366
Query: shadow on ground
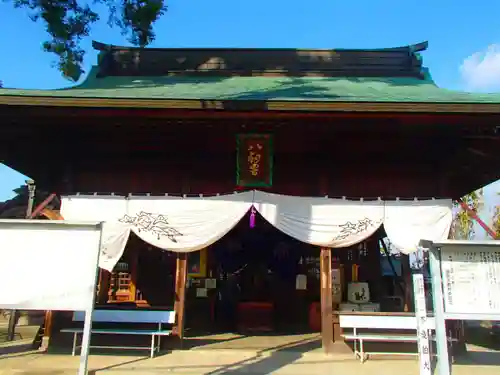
264,363
484,337
16,350
479,359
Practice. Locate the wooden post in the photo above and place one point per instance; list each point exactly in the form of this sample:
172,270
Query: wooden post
47,331
47,324
180,293
406,274
104,282
337,331
326,299
133,275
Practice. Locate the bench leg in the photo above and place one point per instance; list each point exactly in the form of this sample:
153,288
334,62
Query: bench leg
74,344
355,344
159,343
361,351
152,346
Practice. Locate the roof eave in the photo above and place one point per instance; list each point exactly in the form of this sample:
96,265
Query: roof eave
417,47
247,105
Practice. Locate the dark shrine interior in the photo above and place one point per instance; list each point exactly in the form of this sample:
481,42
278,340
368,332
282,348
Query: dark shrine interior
255,267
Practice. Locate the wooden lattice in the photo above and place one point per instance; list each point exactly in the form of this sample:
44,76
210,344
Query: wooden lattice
120,283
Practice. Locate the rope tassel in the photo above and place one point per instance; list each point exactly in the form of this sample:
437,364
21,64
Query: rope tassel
252,217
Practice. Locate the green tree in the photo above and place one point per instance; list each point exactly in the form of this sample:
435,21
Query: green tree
496,220
69,21
463,225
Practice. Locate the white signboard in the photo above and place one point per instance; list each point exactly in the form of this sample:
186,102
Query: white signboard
465,286
424,347
48,265
471,279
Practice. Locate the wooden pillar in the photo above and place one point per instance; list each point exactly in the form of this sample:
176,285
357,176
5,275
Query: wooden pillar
133,275
47,324
180,294
337,331
406,274
326,299
47,331
104,282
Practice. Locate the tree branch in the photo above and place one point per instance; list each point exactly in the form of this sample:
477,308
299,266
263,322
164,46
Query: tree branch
69,21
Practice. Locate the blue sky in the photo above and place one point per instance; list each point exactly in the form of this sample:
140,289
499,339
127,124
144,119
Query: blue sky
463,53
456,29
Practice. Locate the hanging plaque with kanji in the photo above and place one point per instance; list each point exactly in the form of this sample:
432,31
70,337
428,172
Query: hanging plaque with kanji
254,160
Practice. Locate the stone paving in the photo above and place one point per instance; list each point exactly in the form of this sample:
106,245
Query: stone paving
227,362
24,335
249,357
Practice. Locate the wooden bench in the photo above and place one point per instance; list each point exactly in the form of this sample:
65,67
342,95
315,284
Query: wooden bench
126,317
406,325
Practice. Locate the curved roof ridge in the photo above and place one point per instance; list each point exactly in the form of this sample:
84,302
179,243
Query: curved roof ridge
418,47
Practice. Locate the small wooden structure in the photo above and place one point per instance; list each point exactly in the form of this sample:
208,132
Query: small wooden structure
354,123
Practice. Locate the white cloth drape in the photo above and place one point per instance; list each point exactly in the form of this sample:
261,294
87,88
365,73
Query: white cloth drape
321,221
190,224
186,224
408,222
170,223
114,240
109,209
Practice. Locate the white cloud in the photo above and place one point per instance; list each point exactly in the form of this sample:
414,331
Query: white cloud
481,70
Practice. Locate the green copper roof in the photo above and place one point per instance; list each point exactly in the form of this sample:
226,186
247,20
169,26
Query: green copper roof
321,89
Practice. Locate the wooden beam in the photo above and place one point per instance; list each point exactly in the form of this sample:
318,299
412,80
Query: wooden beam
19,113
180,294
51,214
474,216
42,205
326,299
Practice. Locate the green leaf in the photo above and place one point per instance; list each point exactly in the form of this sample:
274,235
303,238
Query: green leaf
67,22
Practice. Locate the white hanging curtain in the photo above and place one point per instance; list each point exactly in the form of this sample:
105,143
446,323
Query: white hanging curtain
191,224
114,240
185,224
321,221
170,223
110,210
408,222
